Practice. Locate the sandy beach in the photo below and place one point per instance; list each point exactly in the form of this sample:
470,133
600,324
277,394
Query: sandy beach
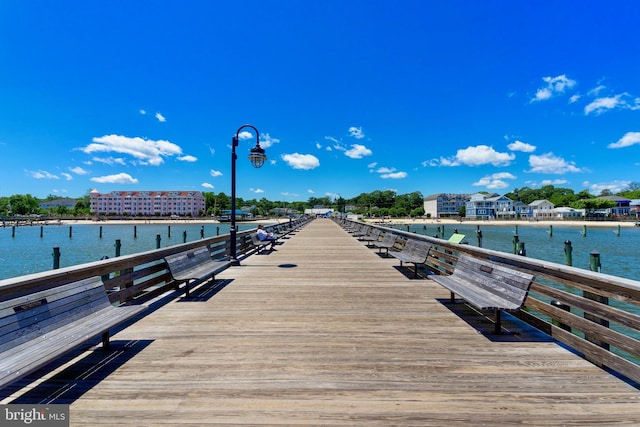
392,221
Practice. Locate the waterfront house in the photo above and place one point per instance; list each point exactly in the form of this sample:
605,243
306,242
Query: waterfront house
485,207
541,209
567,213
622,207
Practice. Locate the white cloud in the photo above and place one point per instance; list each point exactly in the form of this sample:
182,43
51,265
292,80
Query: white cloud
188,158
110,160
549,163
78,170
207,185
143,112
478,155
301,161
332,139
67,176
601,105
390,173
494,181
267,141
356,132
629,139
214,173
256,190
613,186
40,174
604,104
358,151
555,86
160,118
119,178
310,191
318,145
574,99
147,151
521,146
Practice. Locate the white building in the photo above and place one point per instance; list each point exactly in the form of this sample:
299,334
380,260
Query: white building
444,205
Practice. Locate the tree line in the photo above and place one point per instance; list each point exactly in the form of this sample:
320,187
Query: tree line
376,203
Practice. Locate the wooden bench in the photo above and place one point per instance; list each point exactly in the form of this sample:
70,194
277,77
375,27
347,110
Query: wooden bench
36,328
371,237
414,251
487,285
387,242
261,244
194,264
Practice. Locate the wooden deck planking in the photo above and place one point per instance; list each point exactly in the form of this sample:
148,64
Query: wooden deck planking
324,331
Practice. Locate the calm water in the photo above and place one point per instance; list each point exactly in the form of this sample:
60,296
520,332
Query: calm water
28,253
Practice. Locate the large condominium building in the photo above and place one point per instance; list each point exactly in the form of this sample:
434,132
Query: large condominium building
444,205
147,203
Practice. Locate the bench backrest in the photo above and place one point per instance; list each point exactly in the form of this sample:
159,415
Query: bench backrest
256,241
416,248
512,285
388,239
188,259
26,317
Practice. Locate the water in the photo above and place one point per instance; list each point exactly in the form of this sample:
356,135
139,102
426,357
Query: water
27,253
618,254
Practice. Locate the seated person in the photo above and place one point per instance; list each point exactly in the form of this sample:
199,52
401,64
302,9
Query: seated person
265,236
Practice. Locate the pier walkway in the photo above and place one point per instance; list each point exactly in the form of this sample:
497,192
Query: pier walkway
325,332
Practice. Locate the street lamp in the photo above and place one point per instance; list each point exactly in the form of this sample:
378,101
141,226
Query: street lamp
257,157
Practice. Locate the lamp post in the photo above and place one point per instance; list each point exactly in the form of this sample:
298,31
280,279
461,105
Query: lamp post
257,157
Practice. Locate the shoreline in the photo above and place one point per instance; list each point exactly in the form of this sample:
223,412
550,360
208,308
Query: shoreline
394,221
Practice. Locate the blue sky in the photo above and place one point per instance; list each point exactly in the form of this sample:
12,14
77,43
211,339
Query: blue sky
348,96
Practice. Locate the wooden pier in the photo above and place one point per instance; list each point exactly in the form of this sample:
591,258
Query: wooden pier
325,332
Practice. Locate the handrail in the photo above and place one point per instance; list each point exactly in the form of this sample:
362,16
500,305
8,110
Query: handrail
591,312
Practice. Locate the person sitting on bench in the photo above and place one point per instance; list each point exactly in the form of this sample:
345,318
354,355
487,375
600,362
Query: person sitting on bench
265,236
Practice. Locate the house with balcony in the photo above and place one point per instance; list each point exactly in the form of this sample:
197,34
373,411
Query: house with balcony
147,203
622,207
541,209
444,205
488,207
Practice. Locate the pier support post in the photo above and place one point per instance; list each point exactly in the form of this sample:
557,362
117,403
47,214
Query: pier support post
135,231
551,231
568,249
202,232
56,257
158,239
515,243
169,231
100,233
184,236
70,231
479,236
521,250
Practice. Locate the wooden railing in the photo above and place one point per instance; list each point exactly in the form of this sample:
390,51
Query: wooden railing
130,278
596,314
